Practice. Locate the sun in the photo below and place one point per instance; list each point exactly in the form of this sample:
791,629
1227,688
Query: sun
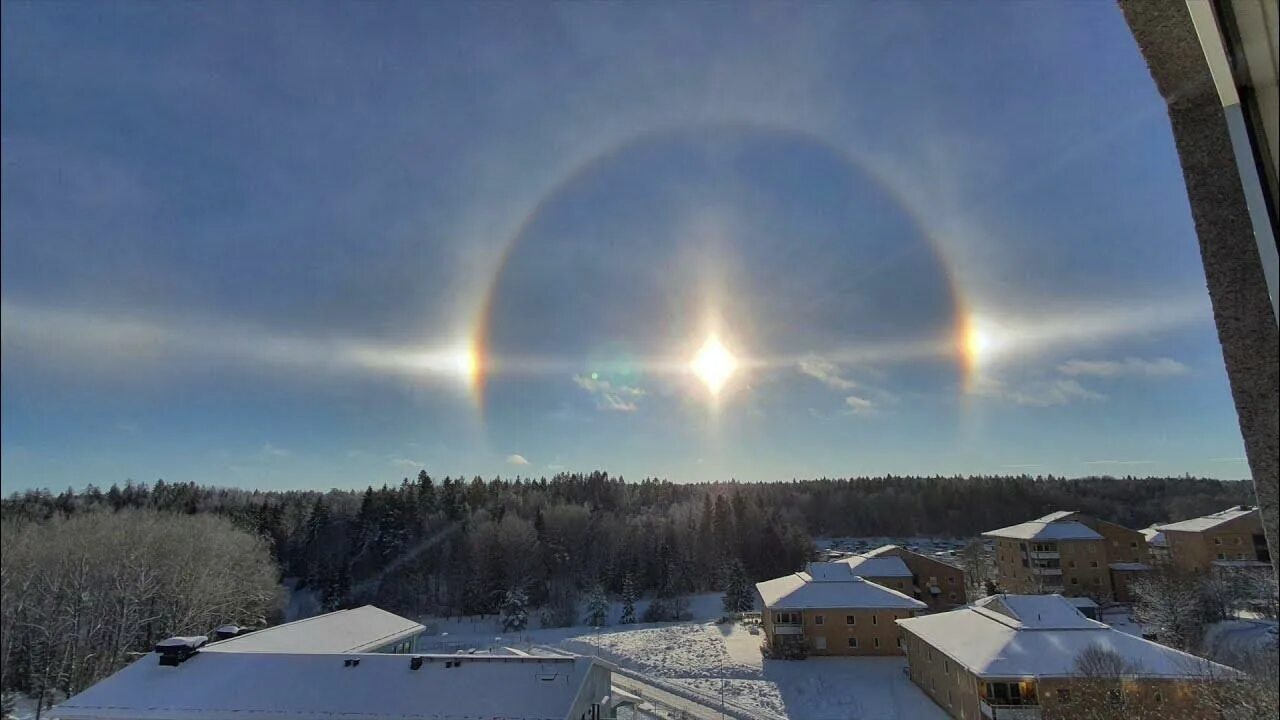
714,365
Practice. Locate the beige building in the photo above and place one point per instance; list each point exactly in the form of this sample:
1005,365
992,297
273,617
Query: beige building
1071,554
1230,538
828,610
1014,657
937,584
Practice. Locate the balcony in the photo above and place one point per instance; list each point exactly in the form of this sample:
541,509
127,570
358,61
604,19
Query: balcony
1046,570
788,629
1009,712
1045,555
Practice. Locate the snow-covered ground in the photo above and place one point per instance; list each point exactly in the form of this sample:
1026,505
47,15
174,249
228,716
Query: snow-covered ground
712,661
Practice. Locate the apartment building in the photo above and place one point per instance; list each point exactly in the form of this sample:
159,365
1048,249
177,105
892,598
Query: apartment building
828,610
1069,553
939,585
1228,538
1015,657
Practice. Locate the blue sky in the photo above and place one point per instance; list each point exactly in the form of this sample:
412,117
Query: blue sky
267,244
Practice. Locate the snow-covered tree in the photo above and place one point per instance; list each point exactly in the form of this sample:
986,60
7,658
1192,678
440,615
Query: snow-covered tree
628,601
597,611
1173,604
515,610
738,594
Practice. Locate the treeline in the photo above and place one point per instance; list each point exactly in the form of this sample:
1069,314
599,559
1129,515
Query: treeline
461,546
79,594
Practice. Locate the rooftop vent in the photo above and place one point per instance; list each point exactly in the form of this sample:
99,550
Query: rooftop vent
351,662
415,662
226,632
175,650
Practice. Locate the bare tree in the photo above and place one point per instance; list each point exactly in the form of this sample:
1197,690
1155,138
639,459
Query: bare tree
1102,687
80,594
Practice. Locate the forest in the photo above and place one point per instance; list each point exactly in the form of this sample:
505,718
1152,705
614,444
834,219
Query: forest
456,546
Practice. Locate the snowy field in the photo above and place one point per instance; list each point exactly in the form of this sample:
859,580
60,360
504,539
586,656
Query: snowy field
713,662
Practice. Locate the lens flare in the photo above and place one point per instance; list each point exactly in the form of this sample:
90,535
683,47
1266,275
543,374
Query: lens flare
714,365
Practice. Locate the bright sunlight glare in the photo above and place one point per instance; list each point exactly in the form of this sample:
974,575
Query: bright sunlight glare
714,364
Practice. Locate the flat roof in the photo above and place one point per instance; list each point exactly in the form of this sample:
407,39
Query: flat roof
306,686
356,630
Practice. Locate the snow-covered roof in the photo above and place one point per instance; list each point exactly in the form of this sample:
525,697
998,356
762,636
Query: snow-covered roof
831,585
886,566
1129,566
1210,521
1154,537
1056,516
281,686
1041,636
1082,602
1043,529
356,630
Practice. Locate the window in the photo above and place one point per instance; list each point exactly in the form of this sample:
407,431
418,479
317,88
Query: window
786,618
876,642
819,619
874,620
1217,541
1064,695
1093,563
1075,581
946,667
1157,696
850,620
1235,541
948,697
1071,563
1115,696
853,642
951,596
1222,556
1133,544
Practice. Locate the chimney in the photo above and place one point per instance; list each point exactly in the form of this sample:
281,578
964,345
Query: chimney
226,632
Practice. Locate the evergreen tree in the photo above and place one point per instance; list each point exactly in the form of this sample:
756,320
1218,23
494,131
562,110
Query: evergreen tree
597,607
738,596
515,610
628,601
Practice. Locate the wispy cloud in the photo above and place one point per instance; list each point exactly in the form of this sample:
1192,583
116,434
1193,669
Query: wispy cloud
517,459
1229,460
403,462
826,372
855,405
1119,462
272,451
1022,466
616,398
1036,393
1128,367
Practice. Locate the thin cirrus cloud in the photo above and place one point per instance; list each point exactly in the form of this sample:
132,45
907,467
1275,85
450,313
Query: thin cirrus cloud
855,405
825,371
1128,367
608,396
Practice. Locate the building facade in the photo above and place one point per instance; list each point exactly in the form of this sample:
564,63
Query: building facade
1232,537
1010,657
939,585
828,610
1069,553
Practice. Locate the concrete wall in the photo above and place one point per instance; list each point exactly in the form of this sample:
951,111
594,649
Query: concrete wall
1233,269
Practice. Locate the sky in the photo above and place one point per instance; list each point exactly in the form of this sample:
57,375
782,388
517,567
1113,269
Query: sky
310,246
